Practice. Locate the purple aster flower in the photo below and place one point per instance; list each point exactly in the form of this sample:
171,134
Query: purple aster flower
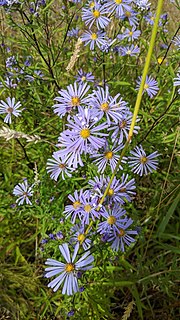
59,235
131,17
114,193
176,41
44,241
82,136
132,34
132,50
11,62
79,237
96,15
123,236
109,157
104,104
71,313
10,108
121,130
94,38
67,271
142,164
88,208
84,77
119,6
143,4
150,18
127,187
3,2
74,209
74,33
114,220
150,86
23,191
57,166
71,98
177,81
8,83
52,236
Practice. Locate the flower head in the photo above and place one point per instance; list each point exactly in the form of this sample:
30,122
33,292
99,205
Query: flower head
10,108
67,272
23,191
57,166
150,86
141,163
96,15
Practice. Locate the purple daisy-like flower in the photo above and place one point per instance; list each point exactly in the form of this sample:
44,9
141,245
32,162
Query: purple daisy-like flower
143,4
67,272
114,194
176,42
94,38
113,221
79,237
109,157
57,166
74,209
132,50
123,236
71,98
150,86
121,130
88,208
119,6
10,108
127,187
84,77
74,33
141,163
96,15
131,35
82,136
131,17
104,104
23,191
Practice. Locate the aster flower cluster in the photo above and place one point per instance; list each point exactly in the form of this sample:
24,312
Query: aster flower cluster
97,126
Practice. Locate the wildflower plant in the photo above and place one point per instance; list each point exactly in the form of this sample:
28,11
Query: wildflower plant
93,101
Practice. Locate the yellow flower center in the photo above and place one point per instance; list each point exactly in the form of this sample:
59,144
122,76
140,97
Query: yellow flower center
130,33
146,86
92,4
111,220
81,237
76,204
118,1
94,36
123,124
25,194
62,166
96,14
85,133
108,155
75,101
87,208
83,78
143,160
110,192
9,110
128,52
104,106
121,233
152,18
128,14
69,267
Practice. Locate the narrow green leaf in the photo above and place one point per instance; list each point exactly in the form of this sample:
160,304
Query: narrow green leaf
169,214
136,296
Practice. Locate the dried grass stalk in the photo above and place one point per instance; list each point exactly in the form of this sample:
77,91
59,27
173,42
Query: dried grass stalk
128,311
75,55
8,134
